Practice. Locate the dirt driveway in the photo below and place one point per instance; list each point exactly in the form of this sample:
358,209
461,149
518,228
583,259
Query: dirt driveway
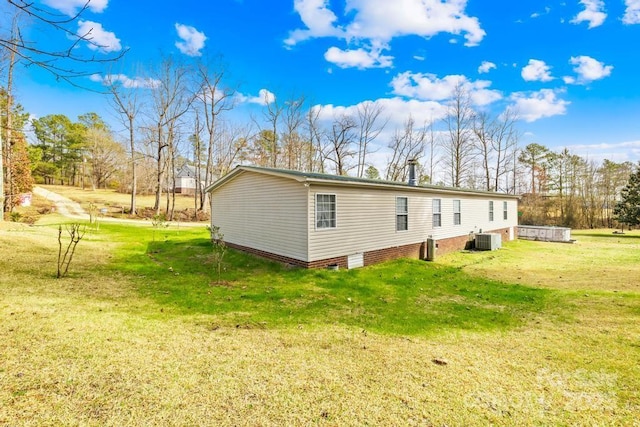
70,209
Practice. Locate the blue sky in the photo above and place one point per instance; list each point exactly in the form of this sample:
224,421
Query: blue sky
570,68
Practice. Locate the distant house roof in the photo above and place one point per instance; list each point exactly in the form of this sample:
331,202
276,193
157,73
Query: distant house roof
188,171
320,178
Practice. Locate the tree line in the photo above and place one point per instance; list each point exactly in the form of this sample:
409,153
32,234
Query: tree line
181,113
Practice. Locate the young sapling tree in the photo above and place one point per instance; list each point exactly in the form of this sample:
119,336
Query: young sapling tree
75,235
219,248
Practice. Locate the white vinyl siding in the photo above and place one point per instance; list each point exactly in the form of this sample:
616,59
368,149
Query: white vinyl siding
402,214
474,217
263,212
367,222
437,213
457,214
325,211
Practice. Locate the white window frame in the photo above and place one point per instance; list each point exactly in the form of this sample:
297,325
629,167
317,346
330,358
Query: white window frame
436,213
491,211
405,213
457,212
333,219
505,211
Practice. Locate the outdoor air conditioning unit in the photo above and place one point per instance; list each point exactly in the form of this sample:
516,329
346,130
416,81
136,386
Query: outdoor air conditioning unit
488,241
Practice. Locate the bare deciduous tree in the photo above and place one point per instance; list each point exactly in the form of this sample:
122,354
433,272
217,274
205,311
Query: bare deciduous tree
315,157
370,125
497,139
64,62
170,101
291,139
459,147
407,144
340,143
125,102
214,98
272,114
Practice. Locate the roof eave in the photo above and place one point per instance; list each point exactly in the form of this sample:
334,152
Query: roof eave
406,187
333,182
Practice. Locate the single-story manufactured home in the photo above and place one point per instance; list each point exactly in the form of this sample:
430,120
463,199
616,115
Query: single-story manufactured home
317,220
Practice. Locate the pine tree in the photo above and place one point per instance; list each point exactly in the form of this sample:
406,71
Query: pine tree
21,180
627,210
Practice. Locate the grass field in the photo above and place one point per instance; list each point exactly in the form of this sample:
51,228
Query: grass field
117,203
142,332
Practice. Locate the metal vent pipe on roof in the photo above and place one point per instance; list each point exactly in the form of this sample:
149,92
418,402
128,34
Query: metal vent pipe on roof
412,171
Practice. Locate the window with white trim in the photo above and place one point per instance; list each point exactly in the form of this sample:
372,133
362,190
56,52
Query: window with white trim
437,213
457,215
325,211
505,210
402,214
491,211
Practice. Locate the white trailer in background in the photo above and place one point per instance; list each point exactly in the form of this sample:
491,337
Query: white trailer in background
547,234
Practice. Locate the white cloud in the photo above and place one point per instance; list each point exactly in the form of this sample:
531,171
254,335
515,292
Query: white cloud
125,81
539,14
616,152
632,12
593,13
396,109
318,19
537,105
376,22
192,40
536,70
383,19
72,7
588,70
99,39
485,67
429,87
264,97
358,58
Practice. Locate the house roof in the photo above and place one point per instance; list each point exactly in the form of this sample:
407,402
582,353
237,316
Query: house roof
188,171
340,180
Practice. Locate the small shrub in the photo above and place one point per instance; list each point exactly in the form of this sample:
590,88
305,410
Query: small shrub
159,221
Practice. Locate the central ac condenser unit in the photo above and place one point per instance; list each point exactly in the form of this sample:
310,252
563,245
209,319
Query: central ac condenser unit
488,241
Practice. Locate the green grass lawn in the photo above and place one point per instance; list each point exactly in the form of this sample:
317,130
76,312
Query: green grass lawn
407,297
143,332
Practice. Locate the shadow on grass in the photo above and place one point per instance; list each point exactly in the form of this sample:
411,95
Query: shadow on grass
406,297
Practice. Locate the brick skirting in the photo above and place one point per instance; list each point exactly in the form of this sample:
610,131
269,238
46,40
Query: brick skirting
415,250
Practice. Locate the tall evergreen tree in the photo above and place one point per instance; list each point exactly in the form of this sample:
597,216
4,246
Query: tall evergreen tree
627,210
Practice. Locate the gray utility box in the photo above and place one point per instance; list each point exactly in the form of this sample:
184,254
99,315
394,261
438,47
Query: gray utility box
488,241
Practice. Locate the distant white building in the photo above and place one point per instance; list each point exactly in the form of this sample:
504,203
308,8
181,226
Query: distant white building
317,220
186,180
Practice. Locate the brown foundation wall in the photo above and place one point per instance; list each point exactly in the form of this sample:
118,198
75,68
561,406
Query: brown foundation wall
408,251
416,250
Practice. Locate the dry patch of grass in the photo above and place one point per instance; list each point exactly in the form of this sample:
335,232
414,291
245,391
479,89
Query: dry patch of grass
115,202
599,260
96,366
